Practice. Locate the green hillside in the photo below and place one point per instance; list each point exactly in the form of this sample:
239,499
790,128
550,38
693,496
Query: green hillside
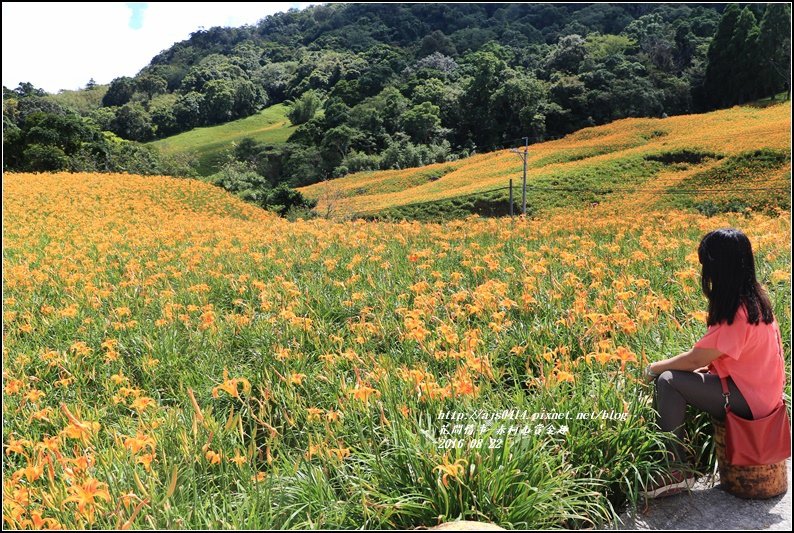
209,144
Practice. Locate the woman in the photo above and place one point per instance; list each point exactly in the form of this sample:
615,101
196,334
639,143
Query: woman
742,344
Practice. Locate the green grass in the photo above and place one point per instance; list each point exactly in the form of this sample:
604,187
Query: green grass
753,178
210,144
772,100
556,189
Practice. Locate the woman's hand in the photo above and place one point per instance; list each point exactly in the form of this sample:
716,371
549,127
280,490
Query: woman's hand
702,370
649,373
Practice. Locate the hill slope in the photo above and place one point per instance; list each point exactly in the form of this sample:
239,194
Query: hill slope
707,151
209,144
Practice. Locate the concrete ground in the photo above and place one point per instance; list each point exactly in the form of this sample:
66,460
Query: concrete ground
708,506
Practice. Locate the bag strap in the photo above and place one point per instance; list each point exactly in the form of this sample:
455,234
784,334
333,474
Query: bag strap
724,381
783,360
725,393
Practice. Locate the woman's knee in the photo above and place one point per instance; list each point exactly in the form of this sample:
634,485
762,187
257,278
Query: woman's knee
665,379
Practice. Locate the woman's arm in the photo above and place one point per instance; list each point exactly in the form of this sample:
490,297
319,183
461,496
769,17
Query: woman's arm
694,359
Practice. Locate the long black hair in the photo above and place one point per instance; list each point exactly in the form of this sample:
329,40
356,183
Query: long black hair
728,278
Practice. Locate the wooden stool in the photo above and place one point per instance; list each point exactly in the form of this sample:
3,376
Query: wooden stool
755,482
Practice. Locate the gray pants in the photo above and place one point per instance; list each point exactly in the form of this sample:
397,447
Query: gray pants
677,388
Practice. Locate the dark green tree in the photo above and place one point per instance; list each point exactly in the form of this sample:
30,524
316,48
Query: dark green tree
774,50
304,108
188,110
336,144
218,101
27,89
567,54
132,122
717,84
436,41
487,74
44,158
422,122
282,198
151,84
120,92
743,49
519,106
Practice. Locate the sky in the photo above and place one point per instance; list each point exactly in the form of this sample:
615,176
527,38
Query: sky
62,45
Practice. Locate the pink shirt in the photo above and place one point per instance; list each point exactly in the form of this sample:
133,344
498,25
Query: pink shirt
752,356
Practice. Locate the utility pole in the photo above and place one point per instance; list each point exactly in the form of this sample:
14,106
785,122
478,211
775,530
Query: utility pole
523,155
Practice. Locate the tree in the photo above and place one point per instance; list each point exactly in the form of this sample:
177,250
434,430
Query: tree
27,89
487,74
103,117
304,108
518,105
67,132
133,122
151,84
282,198
44,157
218,101
120,92
188,110
600,46
164,120
239,178
212,67
422,122
774,50
567,55
247,98
718,69
436,41
656,40
336,144
742,49
685,47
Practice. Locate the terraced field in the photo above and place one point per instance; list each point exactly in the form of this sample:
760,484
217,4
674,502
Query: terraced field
615,161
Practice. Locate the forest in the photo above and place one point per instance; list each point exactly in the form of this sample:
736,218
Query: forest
387,86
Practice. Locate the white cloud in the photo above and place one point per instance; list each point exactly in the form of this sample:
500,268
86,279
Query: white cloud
62,45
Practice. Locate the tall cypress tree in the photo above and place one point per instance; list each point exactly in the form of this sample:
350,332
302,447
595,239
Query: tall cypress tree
719,63
744,62
774,50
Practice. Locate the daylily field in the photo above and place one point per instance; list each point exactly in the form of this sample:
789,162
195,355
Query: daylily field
176,358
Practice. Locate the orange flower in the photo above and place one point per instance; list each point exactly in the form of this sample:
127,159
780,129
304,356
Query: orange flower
340,453
563,376
140,404
139,442
146,460
296,379
453,470
85,495
363,393
230,386
238,459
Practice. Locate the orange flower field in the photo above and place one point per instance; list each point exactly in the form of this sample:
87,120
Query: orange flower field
176,358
